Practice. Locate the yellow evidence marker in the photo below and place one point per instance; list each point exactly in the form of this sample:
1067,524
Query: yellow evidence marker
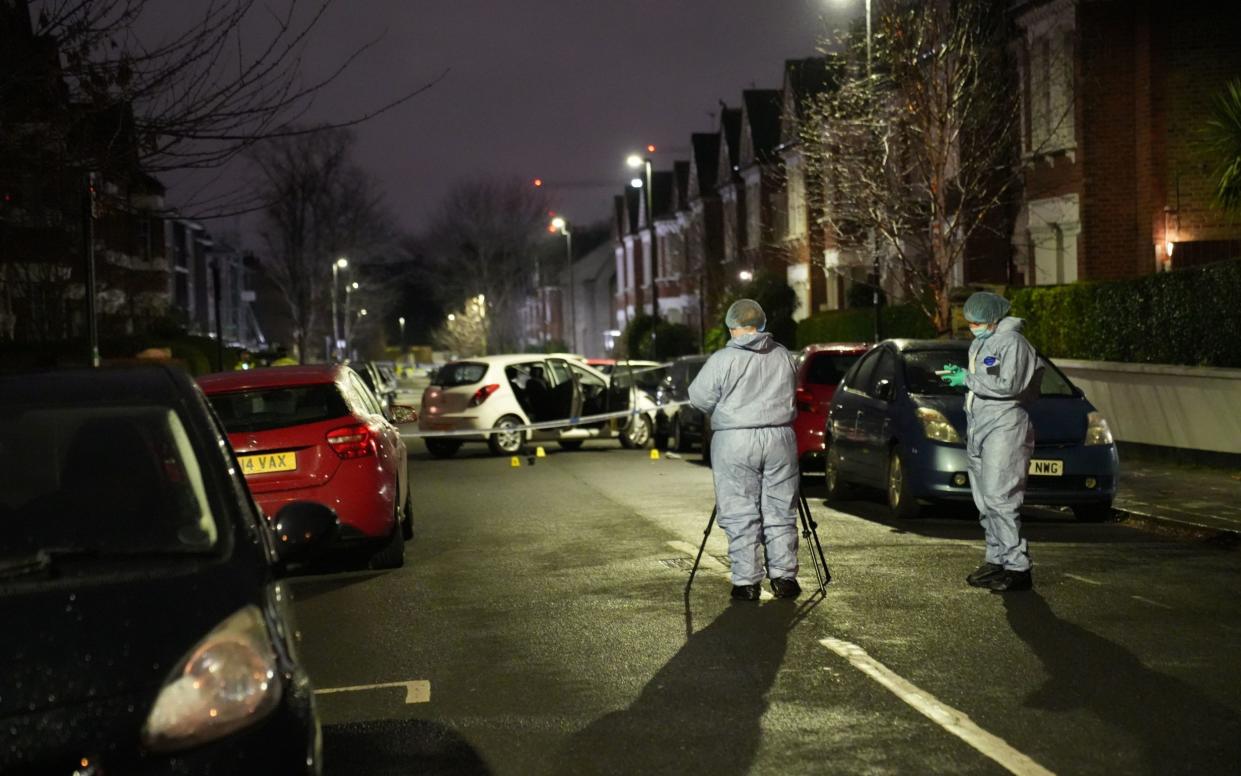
516,462
654,454
539,452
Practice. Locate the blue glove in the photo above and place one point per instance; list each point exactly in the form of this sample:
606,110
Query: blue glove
955,376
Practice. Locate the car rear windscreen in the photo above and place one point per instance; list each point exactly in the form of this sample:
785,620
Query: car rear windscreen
270,408
829,368
460,373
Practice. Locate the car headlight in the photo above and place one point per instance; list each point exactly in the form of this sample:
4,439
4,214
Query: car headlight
936,426
1097,430
225,683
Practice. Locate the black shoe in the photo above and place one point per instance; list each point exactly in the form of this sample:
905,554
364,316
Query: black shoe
785,588
747,592
1010,581
981,576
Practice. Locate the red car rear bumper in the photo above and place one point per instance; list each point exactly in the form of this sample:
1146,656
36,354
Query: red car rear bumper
809,427
363,495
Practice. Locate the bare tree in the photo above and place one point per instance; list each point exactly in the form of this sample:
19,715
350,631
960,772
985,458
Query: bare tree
321,206
488,238
922,152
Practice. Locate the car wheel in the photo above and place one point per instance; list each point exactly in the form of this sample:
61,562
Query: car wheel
837,489
392,554
901,501
506,442
443,448
1093,513
571,444
407,514
676,442
637,434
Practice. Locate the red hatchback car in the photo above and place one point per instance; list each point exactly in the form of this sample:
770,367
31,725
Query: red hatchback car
317,433
820,370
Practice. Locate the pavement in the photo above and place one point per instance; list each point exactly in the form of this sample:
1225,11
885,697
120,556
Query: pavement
1196,501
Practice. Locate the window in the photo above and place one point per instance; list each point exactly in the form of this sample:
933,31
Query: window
828,368
795,220
1046,77
859,377
753,215
560,371
887,368
1053,227
458,374
369,403
269,408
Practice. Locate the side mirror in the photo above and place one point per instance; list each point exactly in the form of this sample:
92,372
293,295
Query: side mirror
403,414
303,530
885,390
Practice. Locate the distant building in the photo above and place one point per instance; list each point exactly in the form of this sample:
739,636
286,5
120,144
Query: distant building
1114,94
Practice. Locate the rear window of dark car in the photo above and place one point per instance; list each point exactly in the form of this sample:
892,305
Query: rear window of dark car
461,373
269,408
829,368
921,365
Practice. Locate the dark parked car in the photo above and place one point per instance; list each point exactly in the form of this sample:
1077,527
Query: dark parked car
681,427
895,425
145,627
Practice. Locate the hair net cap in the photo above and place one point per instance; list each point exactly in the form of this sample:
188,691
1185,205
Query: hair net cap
985,307
743,313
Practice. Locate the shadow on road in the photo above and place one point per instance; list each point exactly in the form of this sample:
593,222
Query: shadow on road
394,747
702,712
1176,727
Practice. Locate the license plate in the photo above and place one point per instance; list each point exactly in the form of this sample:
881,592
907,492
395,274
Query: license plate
267,463
1047,468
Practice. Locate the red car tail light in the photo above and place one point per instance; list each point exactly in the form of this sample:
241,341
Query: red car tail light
481,394
805,401
351,441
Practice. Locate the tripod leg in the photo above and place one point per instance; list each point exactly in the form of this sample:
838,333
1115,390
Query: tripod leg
809,528
701,547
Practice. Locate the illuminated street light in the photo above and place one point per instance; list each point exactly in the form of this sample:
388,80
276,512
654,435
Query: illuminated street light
337,266
452,317
353,286
558,223
636,183
362,312
745,275
634,161
342,262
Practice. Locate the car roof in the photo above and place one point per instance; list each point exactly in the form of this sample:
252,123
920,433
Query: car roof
908,345
837,347
271,377
155,382
508,358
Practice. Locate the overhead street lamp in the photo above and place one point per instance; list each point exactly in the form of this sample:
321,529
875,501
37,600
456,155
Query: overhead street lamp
636,161
562,226
337,266
745,275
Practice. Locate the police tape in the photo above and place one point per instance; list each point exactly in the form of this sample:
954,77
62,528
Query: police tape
548,425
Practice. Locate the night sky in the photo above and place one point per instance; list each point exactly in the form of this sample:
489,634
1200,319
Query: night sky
557,89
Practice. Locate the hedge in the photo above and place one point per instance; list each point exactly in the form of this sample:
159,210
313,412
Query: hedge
858,325
1190,317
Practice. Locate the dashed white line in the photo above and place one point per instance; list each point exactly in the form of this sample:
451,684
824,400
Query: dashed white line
955,722
1084,579
1152,603
417,691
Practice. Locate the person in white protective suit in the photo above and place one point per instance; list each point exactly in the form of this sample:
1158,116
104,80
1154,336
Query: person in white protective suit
1004,379
748,389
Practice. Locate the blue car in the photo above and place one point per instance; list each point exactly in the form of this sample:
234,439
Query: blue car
895,425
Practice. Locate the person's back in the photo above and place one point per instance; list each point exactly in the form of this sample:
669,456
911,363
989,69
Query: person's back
750,383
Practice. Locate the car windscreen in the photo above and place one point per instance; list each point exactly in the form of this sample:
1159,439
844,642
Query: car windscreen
459,373
921,365
829,368
646,377
100,480
264,409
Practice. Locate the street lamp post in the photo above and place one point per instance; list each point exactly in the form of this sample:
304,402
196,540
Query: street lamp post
401,322
337,265
635,161
349,289
563,227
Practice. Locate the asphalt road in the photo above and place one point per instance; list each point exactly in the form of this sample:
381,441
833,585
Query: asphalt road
540,627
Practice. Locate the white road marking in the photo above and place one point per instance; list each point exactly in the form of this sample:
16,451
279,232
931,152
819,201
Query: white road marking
417,691
708,562
1152,603
955,722
1083,579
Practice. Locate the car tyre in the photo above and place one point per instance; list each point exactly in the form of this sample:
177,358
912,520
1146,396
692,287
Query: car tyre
571,444
637,434
443,448
508,442
837,488
392,554
676,441
407,514
1096,512
901,501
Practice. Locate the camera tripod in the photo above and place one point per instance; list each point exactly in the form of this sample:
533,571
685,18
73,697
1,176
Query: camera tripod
809,532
